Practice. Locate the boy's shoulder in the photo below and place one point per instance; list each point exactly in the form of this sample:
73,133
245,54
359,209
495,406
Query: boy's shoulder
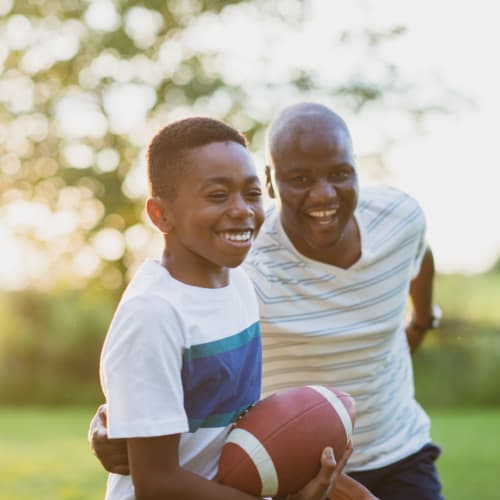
151,282
153,287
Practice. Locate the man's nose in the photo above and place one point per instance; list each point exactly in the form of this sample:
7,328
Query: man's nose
322,190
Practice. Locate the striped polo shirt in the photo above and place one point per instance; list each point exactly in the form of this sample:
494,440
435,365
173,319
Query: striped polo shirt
345,327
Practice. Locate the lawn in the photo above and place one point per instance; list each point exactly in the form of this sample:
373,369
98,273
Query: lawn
45,456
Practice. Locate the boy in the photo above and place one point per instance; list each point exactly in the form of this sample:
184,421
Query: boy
182,358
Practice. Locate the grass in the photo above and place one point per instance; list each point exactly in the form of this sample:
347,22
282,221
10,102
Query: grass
45,456
470,463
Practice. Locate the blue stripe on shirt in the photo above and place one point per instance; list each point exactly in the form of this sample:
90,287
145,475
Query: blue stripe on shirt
222,378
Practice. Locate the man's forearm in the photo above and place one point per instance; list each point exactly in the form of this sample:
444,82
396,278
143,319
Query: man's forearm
421,295
347,488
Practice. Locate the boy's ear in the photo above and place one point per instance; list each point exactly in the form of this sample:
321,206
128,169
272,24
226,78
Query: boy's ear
157,213
269,182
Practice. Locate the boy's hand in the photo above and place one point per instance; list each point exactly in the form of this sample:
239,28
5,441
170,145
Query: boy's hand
112,453
320,486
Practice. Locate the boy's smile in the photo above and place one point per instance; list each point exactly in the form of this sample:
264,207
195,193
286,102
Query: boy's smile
215,215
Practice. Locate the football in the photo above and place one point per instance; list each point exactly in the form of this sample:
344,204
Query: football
275,447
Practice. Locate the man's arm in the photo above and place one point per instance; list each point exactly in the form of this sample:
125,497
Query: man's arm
347,488
421,291
112,453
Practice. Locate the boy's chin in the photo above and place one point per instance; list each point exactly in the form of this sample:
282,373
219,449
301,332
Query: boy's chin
235,261
232,265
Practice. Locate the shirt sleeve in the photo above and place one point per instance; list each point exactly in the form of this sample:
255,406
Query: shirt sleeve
141,368
421,245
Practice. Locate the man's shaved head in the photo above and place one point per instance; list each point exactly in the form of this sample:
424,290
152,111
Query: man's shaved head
296,123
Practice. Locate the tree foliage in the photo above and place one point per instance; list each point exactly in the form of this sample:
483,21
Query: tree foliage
85,83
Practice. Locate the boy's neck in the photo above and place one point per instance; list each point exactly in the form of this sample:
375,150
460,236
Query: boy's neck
195,275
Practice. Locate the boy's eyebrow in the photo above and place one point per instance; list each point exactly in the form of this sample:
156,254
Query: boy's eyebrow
227,180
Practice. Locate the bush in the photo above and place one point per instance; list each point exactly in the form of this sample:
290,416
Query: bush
458,366
50,346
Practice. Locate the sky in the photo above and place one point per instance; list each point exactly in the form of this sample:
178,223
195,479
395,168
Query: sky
447,56
454,170
453,167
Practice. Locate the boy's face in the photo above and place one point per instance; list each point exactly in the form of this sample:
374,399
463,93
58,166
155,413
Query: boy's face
217,211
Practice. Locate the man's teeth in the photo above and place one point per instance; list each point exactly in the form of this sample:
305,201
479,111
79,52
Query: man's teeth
243,236
323,213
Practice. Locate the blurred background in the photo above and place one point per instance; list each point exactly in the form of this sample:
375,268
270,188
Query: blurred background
83,86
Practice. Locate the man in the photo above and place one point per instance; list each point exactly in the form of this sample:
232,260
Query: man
332,267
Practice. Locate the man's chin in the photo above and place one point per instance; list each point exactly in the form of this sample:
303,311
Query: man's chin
322,241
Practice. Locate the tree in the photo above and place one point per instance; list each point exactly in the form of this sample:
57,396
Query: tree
85,84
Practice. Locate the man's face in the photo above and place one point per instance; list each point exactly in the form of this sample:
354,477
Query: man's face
318,189
217,211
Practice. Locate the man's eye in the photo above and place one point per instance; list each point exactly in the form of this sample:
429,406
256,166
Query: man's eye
341,175
300,179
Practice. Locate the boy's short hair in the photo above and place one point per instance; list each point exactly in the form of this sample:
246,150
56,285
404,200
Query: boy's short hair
168,149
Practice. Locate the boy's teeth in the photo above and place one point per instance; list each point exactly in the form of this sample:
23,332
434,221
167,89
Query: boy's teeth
238,236
324,213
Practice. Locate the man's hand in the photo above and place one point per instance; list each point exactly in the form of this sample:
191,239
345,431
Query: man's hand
112,453
320,486
346,488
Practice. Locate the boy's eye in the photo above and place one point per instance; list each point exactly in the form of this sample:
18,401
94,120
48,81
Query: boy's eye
217,195
254,193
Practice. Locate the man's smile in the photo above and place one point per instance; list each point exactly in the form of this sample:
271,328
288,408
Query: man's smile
322,216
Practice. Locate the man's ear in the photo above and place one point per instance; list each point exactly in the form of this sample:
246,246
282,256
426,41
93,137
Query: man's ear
269,182
157,213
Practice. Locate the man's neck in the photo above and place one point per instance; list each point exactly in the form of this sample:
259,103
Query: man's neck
343,254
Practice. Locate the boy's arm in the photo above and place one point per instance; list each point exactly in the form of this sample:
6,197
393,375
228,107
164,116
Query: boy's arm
156,474
114,456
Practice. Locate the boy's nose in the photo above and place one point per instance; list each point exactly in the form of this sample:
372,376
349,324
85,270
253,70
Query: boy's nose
240,209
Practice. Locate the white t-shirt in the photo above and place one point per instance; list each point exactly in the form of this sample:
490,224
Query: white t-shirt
345,327
180,359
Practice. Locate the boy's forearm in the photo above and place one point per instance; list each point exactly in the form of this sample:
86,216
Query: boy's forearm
184,484
157,475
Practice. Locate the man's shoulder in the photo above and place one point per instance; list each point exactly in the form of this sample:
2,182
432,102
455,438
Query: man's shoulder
385,198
